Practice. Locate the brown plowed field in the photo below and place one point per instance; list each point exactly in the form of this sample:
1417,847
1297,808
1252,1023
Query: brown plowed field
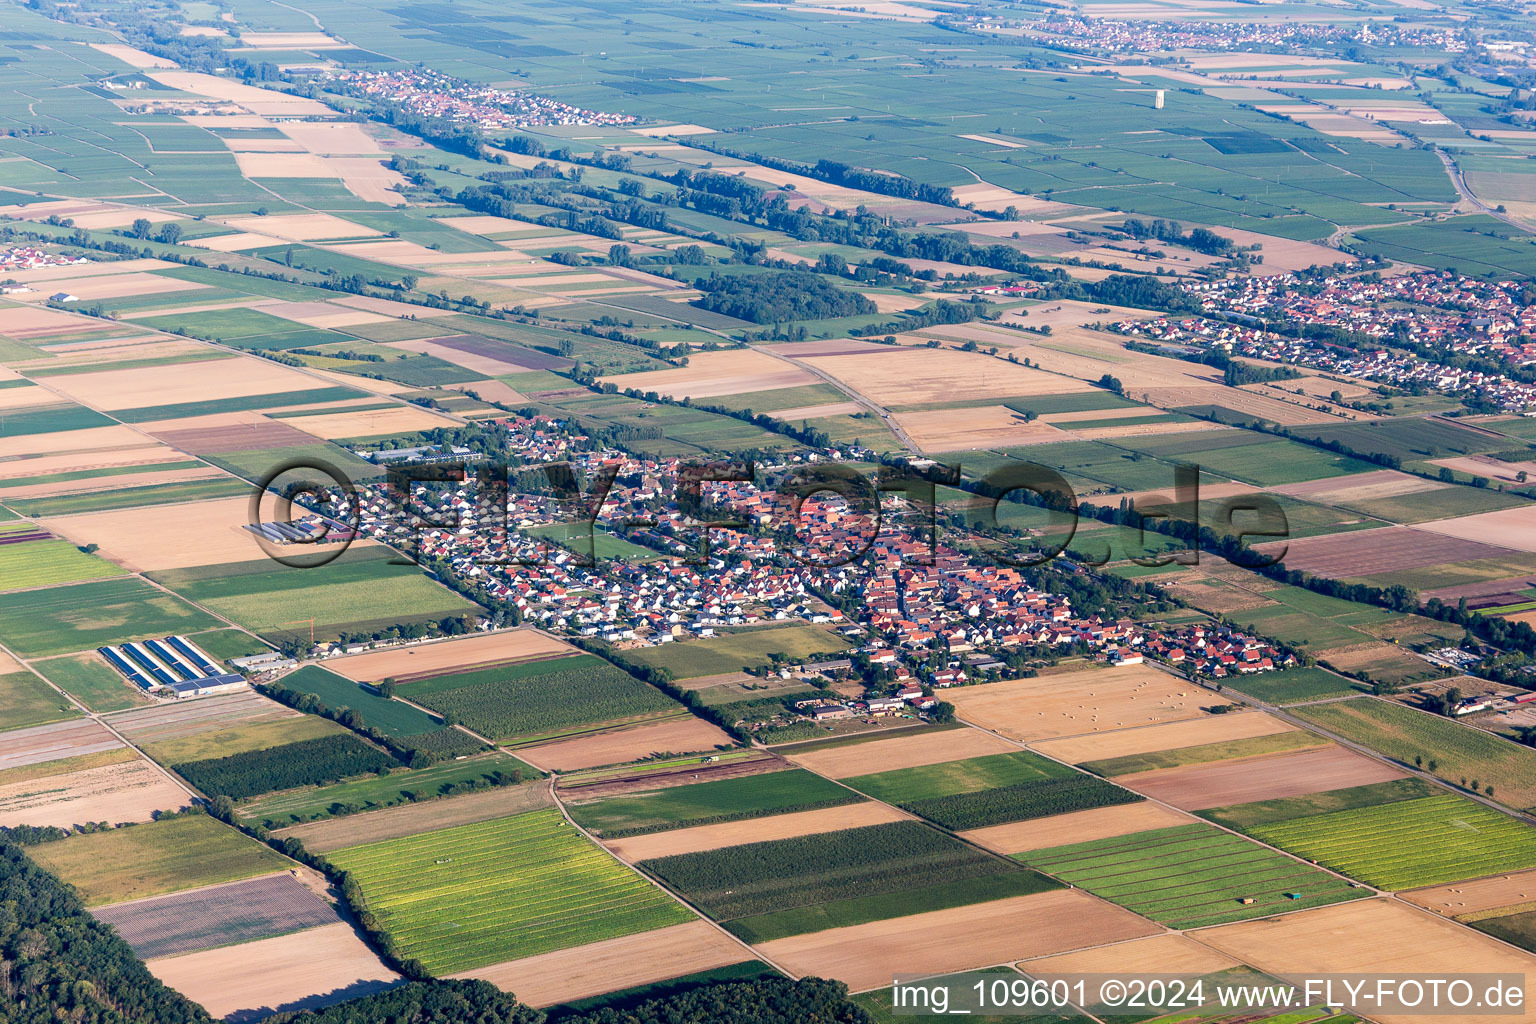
614,964
52,742
166,536
1073,703
114,792
1515,527
1077,749
300,971
1076,827
1368,552
259,432
1471,897
931,746
866,956
754,830
1160,954
449,655
1373,937
677,736
426,816
1268,778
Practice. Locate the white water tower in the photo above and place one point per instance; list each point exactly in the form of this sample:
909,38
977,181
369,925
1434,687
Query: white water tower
1158,98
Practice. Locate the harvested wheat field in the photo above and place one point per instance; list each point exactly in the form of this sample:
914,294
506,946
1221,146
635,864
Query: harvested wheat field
711,374
1510,527
53,742
166,536
1076,827
488,365
257,101
1091,700
114,792
193,717
680,735
866,956
1389,549
89,440
299,971
1380,483
811,412
1474,897
981,426
203,381
1215,729
754,830
459,653
1374,937
1264,778
916,376
184,473
146,453
1160,954
614,964
927,746
404,419
425,816
302,227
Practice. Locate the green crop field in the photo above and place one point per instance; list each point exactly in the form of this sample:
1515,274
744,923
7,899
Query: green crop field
1292,685
1242,817
360,590
392,717
1409,843
747,883
319,761
952,777
541,699
1205,752
500,890
880,1005
62,620
733,652
27,700
44,563
1191,875
1458,751
280,810
130,497
92,682
749,796
1517,929
155,857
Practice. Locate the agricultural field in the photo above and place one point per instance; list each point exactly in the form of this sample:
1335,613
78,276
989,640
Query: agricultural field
1191,875
1293,686
46,563
224,915
89,679
1177,757
733,652
26,700
519,886
392,717
63,620
424,816
762,891
1264,777
1409,843
106,786
154,858
1450,750
539,700
707,803
326,759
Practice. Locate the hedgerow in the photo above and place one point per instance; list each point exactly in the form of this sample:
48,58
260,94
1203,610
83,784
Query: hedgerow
1021,801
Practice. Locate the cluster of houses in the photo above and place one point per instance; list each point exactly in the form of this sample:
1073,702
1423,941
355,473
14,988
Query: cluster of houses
453,99
30,257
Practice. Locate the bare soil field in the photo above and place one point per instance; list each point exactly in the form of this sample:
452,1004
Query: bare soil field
493,391
1076,827
459,653
426,816
614,964
811,412
1475,896
53,742
932,746
711,374
469,360
865,956
203,381
1215,729
166,536
400,420
114,792
1145,430
1086,701
1392,549
218,915
189,718
1482,465
826,347
302,227
917,376
981,426
89,440
250,432
680,736
1160,954
1511,527
144,453
132,57
1221,783
754,830
1380,483
257,101
300,971
1369,936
